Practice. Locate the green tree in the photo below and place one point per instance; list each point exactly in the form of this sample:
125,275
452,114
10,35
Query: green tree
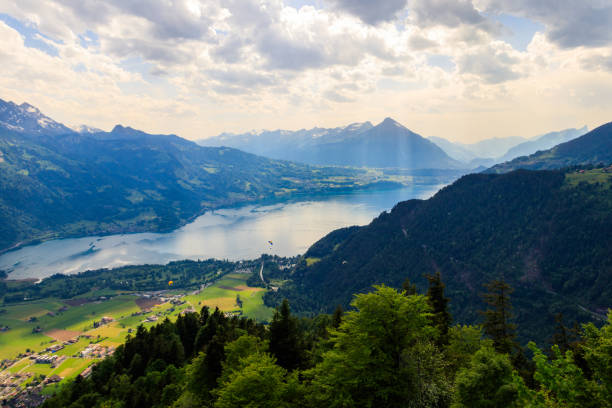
259,384
498,317
409,288
337,317
488,382
285,338
598,354
561,383
464,342
441,317
381,356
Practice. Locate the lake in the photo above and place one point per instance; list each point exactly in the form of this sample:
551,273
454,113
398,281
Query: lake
234,234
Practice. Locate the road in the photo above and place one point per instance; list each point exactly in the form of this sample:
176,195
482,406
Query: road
261,273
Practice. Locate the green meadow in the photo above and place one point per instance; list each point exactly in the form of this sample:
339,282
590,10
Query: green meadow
56,320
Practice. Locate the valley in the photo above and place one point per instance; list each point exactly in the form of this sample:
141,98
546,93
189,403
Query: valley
46,341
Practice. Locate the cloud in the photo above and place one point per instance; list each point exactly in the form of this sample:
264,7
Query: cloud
597,62
371,12
492,65
569,23
225,64
449,13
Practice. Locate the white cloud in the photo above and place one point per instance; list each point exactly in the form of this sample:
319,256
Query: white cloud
197,68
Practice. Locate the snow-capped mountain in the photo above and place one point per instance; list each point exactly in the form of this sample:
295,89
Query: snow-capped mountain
86,130
388,144
26,118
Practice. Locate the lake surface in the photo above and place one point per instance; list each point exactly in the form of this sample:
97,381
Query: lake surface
234,234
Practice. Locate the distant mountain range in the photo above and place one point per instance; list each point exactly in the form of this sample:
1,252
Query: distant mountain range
592,148
55,182
489,152
388,144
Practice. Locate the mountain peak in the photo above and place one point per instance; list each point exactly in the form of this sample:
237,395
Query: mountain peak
28,119
390,122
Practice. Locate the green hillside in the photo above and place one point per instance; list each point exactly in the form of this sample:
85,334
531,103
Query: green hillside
547,233
594,148
129,181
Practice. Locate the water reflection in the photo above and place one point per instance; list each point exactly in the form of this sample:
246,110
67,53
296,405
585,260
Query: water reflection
239,233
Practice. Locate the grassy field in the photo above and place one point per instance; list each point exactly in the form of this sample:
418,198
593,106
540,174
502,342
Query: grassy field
56,321
589,176
223,294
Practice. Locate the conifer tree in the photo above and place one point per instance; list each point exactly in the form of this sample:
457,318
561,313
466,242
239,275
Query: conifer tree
409,288
285,339
498,317
337,317
441,317
561,336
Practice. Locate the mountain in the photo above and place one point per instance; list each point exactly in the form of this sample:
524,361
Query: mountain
489,152
479,153
26,118
285,144
592,148
84,129
546,233
543,142
388,144
456,151
494,147
69,184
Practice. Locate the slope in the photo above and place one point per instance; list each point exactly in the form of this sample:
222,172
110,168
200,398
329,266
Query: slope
59,185
592,148
546,236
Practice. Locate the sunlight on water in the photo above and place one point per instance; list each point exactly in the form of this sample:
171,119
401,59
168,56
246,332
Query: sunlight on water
238,233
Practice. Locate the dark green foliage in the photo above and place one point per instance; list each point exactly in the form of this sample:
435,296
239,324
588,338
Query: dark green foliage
383,354
488,382
149,369
549,238
285,338
441,317
409,288
498,317
337,317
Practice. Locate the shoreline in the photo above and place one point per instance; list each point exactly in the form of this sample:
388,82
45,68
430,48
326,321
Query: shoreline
270,200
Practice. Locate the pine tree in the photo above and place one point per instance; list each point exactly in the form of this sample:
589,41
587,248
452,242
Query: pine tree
441,317
409,288
561,336
497,318
285,343
337,317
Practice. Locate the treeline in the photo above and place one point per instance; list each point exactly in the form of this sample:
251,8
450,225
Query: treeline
183,274
392,349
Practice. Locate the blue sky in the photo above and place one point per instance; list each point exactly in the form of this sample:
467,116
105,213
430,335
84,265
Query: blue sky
461,69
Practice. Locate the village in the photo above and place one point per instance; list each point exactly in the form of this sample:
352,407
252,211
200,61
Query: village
56,340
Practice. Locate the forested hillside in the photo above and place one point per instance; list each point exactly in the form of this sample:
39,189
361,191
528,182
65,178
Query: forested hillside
57,185
393,349
547,233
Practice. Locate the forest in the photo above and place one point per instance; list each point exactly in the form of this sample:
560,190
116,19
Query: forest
547,233
393,348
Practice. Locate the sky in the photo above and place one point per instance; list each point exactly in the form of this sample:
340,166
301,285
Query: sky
463,70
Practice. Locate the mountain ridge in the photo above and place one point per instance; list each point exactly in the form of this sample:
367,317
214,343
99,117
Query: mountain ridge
591,148
388,144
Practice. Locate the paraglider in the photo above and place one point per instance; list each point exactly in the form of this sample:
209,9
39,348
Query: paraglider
170,283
